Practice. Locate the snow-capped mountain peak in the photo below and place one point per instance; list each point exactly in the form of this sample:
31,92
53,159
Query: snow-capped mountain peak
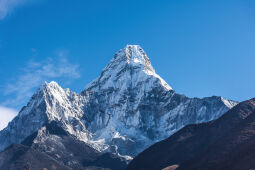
51,84
49,103
129,99
48,94
136,56
126,109
129,67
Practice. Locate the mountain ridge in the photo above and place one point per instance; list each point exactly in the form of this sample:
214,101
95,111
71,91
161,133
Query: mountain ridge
126,109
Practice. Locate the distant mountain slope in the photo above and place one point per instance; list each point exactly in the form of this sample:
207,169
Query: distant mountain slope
226,143
125,110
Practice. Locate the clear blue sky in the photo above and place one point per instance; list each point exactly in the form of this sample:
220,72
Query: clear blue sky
200,47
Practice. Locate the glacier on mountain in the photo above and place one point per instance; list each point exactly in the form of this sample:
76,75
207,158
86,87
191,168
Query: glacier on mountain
125,110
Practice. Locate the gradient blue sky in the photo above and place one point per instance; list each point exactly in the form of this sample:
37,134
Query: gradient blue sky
200,47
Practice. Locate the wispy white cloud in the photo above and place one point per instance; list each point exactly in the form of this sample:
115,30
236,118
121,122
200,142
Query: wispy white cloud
7,6
6,114
34,75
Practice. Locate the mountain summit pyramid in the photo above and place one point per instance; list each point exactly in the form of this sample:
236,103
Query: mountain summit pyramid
126,109
129,67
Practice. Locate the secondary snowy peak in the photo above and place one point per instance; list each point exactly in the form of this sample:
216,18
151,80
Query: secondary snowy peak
129,67
49,103
46,94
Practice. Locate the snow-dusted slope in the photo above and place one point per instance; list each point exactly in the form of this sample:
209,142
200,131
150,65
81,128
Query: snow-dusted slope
126,109
50,102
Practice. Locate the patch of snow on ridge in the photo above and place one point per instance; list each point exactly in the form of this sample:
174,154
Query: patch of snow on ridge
228,103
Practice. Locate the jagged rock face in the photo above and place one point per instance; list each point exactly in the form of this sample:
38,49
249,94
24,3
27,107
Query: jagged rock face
135,107
63,147
51,147
126,109
49,103
30,118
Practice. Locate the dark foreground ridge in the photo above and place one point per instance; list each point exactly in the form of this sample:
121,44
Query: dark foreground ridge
226,143
18,156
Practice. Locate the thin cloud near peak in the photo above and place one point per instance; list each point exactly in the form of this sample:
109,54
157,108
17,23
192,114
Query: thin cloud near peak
34,74
7,114
7,6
